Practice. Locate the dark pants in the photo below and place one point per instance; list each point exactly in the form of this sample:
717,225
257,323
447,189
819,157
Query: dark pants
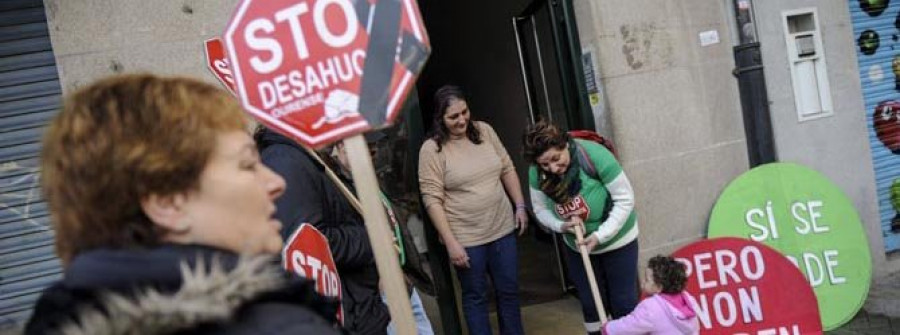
616,273
499,260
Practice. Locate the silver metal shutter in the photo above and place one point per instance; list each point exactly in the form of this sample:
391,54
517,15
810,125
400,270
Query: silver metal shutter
875,28
29,97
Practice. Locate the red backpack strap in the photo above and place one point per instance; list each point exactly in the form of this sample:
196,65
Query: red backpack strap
594,137
586,135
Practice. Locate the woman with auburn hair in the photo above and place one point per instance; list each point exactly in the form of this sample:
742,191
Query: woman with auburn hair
163,218
576,182
467,181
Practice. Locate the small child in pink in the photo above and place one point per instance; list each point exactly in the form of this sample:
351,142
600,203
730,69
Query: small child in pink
667,311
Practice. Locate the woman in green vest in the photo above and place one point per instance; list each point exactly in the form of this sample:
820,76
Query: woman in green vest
579,182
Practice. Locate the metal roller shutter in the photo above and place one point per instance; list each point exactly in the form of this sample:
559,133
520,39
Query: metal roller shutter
29,97
875,27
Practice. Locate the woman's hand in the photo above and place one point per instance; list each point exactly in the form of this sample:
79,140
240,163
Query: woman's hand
458,255
590,242
574,221
521,219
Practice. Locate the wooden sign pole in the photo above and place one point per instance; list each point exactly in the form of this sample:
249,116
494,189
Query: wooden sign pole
386,260
589,271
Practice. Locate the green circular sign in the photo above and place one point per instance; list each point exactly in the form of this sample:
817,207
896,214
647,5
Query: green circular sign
802,214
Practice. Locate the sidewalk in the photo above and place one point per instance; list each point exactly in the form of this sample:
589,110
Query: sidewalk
881,312
879,315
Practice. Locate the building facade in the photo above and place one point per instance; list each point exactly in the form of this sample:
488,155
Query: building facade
656,76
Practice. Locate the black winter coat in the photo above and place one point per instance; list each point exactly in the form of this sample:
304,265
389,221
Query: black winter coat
149,291
311,197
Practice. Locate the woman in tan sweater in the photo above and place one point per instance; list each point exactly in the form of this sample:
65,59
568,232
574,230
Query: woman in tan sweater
467,180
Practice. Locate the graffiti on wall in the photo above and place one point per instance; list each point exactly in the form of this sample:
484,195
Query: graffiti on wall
868,42
886,123
20,193
876,25
873,7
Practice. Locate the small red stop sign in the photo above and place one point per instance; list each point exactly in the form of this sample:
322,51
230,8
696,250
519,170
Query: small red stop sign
307,254
217,62
322,70
745,287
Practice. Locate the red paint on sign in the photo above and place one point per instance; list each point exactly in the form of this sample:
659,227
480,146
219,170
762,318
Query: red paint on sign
307,254
217,62
575,206
745,287
299,65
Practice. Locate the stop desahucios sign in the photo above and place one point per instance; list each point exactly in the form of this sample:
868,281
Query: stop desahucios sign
323,70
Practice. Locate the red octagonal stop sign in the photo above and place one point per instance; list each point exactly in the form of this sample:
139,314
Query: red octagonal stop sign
322,70
307,254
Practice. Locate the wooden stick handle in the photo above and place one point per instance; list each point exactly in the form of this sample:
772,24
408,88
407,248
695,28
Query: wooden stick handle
589,270
380,235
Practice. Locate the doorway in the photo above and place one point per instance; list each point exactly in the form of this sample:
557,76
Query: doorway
487,48
548,45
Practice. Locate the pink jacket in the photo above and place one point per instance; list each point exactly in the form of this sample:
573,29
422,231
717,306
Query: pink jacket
660,314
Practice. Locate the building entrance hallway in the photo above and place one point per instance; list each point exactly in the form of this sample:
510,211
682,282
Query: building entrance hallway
487,48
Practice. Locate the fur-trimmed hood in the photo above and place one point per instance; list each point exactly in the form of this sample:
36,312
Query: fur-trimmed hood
177,289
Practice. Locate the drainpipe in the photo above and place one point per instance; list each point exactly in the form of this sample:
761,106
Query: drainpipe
752,87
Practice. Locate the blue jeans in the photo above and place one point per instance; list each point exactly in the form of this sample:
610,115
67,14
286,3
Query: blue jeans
616,273
499,260
423,325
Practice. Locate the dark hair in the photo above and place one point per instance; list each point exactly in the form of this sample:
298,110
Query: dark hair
119,140
258,133
443,97
540,137
668,273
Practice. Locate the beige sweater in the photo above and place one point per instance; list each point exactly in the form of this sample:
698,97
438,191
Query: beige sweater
464,179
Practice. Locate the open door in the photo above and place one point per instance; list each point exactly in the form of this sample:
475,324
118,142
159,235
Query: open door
550,59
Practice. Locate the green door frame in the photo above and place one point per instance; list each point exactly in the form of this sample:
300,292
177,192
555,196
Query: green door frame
568,53
567,49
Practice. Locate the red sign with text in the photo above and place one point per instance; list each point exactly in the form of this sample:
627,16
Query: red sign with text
744,287
217,62
323,70
307,254
576,206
